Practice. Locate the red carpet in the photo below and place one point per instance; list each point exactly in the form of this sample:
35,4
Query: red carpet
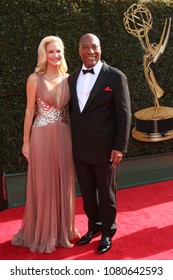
145,229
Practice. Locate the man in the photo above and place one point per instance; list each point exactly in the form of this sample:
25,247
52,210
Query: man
101,118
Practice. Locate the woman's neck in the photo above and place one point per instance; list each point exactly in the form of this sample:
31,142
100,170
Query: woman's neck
52,74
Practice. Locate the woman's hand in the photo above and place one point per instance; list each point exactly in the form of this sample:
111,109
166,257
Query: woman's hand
25,150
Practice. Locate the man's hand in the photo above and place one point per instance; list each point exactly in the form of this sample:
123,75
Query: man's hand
116,157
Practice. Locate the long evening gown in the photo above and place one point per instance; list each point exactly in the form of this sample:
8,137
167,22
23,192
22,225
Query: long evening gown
48,219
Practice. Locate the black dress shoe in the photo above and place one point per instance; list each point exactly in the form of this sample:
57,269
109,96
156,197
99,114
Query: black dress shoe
87,237
105,244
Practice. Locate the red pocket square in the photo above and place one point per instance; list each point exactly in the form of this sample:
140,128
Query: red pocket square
107,89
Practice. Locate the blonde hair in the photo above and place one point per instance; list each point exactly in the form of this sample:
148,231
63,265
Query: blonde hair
42,55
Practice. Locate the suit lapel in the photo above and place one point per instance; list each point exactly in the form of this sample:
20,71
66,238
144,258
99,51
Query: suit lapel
74,91
104,73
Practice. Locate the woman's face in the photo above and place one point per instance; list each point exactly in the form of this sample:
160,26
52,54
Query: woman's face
54,54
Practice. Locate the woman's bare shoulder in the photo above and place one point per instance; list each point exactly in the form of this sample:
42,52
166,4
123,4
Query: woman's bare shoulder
32,77
66,75
32,80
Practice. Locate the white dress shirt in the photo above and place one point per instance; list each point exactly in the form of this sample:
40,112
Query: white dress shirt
85,84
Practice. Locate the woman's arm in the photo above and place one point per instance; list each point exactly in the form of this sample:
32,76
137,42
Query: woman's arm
31,91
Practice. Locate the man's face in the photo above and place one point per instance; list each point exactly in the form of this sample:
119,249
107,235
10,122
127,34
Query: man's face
90,50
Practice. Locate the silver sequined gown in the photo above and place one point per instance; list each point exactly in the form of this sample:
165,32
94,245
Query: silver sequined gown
48,219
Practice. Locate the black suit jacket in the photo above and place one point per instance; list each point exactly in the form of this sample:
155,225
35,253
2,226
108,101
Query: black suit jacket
104,123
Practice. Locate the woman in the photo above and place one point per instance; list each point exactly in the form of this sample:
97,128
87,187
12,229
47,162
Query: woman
49,212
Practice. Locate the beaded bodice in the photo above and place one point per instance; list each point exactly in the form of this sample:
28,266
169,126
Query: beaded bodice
52,103
48,114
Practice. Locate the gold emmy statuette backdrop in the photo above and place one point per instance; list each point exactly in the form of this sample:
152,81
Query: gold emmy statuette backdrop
155,123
